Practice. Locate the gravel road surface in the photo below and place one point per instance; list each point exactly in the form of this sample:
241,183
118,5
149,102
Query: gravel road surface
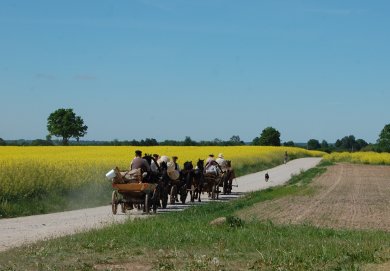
19,231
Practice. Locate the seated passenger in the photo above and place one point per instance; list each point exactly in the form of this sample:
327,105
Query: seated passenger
212,167
139,162
222,162
209,159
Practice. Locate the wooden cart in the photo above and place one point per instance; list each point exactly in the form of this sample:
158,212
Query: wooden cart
211,184
131,193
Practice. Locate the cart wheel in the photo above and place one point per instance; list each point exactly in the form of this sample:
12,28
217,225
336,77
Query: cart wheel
147,203
114,202
123,207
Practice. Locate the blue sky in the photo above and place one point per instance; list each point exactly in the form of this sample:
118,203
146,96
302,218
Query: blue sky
208,69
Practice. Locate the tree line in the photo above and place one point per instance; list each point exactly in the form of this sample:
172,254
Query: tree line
65,124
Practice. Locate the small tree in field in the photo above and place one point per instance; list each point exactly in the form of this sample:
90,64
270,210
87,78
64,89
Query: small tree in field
313,144
64,123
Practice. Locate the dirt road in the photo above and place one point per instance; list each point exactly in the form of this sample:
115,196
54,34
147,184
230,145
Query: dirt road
346,196
23,230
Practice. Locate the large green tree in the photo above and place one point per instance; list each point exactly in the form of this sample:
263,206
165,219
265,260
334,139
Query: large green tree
269,137
64,123
384,139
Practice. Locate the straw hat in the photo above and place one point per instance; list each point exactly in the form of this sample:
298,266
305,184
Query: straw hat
220,155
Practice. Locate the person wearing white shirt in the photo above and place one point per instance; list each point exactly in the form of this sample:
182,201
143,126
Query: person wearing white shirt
221,162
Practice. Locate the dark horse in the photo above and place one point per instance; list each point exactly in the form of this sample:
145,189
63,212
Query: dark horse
198,180
228,178
172,187
165,184
187,178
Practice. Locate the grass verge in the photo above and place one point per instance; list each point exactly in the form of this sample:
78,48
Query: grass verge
186,241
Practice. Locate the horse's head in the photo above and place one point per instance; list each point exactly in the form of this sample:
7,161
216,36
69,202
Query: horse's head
188,165
228,163
200,164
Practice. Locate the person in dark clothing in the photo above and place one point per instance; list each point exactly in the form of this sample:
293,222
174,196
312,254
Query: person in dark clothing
174,160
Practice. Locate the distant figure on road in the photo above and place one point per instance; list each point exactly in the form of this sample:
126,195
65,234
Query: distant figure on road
285,157
266,177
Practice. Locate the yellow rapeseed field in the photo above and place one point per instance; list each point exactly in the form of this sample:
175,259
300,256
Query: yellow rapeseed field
28,171
373,158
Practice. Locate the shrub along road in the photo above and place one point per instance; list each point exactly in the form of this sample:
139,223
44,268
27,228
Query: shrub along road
18,231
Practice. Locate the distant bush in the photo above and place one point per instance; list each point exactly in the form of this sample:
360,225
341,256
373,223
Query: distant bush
41,142
2,142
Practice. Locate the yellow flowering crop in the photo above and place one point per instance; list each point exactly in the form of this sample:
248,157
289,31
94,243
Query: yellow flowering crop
360,157
28,171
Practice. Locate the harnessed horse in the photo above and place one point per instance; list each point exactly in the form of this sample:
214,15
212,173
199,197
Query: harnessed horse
198,179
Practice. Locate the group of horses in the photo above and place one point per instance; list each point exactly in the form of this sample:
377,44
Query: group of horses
192,181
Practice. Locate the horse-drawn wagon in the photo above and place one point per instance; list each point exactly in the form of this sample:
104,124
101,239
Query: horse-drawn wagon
130,190
216,176
212,182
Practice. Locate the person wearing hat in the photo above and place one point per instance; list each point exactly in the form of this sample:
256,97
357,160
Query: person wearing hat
221,161
210,158
212,166
138,162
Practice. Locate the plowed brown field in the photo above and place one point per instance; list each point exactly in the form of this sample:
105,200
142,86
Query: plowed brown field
346,196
